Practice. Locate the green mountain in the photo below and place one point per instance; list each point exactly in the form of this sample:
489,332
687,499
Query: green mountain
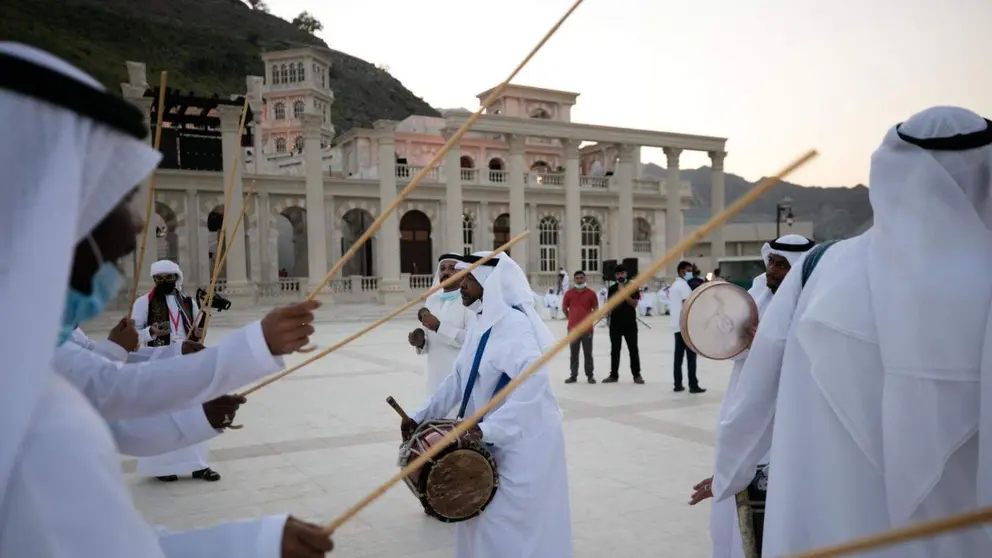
207,46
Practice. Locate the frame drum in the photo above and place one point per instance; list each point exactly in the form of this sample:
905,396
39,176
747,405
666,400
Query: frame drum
715,319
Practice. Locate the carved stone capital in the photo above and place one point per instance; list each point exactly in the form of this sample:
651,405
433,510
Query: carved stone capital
385,131
516,143
230,117
311,125
137,75
626,152
716,158
571,148
672,153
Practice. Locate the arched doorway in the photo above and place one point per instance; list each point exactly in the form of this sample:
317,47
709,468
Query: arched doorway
466,162
497,170
501,231
540,114
354,224
467,165
415,243
215,220
293,257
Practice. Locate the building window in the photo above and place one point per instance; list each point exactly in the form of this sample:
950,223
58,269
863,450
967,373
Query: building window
281,145
301,74
275,74
298,144
292,73
548,243
280,111
642,235
298,110
283,74
468,234
591,238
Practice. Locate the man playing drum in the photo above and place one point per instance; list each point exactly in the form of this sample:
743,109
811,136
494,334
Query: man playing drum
529,515
779,255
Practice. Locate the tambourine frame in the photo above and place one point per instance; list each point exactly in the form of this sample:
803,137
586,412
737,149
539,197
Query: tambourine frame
701,292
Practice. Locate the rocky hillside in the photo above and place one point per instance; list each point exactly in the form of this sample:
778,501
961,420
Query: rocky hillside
208,46
835,212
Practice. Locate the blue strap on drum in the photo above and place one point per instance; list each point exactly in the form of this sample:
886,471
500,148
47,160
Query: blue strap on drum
813,258
474,374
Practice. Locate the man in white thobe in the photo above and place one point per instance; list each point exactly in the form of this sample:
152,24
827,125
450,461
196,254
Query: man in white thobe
529,515
165,314
74,151
444,320
872,384
779,256
551,304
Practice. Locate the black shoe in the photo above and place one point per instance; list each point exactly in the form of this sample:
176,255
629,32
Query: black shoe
679,388
571,380
168,478
638,380
697,389
611,379
207,474
590,379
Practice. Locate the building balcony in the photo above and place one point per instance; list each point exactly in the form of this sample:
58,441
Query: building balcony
549,180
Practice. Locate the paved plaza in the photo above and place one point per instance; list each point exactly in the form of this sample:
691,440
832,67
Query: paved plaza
317,441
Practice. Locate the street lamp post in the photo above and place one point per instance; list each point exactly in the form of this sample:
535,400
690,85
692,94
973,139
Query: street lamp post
783,211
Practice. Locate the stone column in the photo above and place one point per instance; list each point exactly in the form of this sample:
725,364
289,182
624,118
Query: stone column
573,208
717,202
673,204
192,262
517,215
134,92
316,229
625,213
389,235
254,86
236,260
453,197
482,223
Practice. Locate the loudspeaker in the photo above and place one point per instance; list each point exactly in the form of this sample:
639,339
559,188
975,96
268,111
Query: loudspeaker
609,270
631,265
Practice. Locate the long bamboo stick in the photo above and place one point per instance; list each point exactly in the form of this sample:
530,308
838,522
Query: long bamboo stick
619,298
223,256
156,142
444,284
903,534
221,234
415,181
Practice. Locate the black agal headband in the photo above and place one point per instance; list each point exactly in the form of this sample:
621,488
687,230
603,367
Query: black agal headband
47,85
783,247
957,142
470,259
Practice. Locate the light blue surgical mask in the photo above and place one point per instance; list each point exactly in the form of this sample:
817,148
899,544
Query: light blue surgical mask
81,307
580,285
687,275
446,296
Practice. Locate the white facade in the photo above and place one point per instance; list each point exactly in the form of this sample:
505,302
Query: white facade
525,166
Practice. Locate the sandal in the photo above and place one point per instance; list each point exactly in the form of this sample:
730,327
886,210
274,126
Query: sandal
168,478
207,474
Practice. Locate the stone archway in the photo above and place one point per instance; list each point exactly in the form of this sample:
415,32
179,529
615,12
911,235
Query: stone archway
291,249
501,231
166,222
415,243
354,223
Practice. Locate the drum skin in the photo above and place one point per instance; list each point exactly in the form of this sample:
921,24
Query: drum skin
459,482
715,319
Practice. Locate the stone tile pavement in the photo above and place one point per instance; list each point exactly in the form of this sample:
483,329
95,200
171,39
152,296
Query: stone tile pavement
317,441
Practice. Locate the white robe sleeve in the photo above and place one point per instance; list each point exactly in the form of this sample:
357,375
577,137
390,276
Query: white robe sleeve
171,384
110,351
448,395
452,330
744,436
522,407
158,434
252,538
139,313
144,354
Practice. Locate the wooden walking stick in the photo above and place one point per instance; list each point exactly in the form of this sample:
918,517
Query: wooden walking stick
156,142
457,277
620,297
415,181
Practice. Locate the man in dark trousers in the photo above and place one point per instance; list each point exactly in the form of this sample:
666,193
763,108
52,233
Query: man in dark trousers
577,304
677,293
623,327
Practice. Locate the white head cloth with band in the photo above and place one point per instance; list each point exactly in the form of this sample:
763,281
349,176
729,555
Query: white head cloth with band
70,153
449,257
791,247
505,287
168,267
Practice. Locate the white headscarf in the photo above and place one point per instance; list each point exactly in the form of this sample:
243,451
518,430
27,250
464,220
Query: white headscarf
790,247
932,208
505,287
449,257
166,267
63,173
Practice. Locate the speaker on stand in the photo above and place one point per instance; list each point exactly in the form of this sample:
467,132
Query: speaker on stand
609,270
631,265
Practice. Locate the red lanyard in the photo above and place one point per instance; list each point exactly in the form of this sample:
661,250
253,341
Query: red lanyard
175,320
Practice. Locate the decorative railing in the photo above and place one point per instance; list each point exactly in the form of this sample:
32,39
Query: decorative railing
421,282
594,182
642,246
369,284
406,172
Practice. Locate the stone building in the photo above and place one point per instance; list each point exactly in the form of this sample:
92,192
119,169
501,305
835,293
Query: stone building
524,165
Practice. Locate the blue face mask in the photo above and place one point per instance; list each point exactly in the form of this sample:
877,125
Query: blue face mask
445,296
687,275
79,307
580,285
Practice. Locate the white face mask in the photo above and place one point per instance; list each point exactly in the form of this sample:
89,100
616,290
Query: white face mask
580,285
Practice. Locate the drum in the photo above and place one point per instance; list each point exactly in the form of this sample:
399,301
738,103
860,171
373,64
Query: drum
751,512
459,482
715,320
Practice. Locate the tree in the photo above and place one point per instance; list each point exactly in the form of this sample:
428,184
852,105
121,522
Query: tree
258,5
308,23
